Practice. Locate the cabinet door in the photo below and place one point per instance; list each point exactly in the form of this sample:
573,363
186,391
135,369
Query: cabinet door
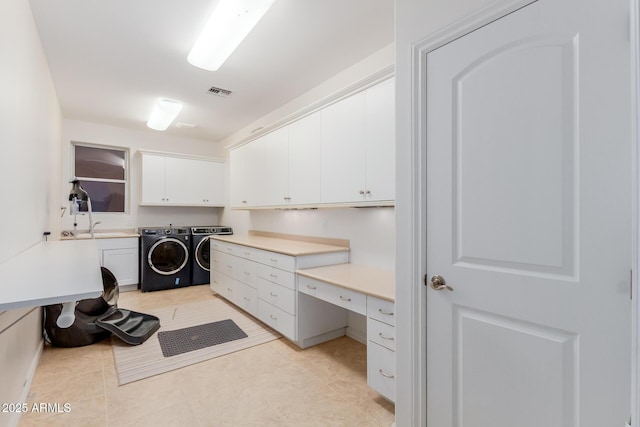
123,263
380,146
343,150
176,188
304,167
247,174
205,182
254,173
276,168
153,191
237,167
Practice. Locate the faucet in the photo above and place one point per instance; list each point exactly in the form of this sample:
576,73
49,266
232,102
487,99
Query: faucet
96,223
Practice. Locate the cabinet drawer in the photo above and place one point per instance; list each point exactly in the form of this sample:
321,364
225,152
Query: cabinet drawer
381,370
272,259
278,319
343,297
246,271
217,245
381,310
247,298
278,276
220,284
381,333
277,295
247,253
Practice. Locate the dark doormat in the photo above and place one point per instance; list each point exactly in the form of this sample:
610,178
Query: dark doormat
197,337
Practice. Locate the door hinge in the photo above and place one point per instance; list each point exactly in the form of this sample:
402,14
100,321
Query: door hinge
631,284
424,279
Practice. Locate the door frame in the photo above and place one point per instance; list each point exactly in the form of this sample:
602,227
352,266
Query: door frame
411,212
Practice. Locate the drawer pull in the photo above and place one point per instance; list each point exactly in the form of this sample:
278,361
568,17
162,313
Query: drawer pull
273,260
230,249
386,374
274,276
247,273
246,299
230,290
385,337
385,312
247,253
311,287
345,299
229,266
273,317
272,294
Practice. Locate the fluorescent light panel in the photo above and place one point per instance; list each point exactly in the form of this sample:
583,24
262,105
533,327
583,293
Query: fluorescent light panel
165,112
228,25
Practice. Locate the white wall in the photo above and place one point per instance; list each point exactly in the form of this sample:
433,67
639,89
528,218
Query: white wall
134,140
415,20
29,170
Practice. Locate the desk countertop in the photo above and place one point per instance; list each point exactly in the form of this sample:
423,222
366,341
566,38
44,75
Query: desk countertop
51,273
281,245
368,280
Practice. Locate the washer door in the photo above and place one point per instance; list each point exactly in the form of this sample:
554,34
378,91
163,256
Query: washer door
168,256
203,254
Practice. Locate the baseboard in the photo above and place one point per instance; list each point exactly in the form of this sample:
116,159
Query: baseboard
357,335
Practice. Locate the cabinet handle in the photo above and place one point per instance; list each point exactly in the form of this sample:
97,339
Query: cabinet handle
273,317
361,192
385,312
367,192
247,273
273,275
230,290
230,266
384,337
287,198
247,253
246,299
273,260
244,201
272,294
311,287
344,299
385,374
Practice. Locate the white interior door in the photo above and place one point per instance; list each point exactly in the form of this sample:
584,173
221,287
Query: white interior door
529,220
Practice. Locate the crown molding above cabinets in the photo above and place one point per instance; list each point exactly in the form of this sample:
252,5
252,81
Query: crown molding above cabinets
340,155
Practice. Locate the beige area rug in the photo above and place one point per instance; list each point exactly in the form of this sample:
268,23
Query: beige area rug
134,363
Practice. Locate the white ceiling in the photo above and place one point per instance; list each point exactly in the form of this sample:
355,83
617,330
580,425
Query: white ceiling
112,59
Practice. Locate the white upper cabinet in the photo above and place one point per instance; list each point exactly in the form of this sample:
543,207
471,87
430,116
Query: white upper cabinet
178,181
343,150
358,147
380,151
247,175
343,154
205,181
304,160
276,168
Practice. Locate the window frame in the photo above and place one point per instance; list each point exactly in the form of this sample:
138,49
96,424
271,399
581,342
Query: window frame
124,181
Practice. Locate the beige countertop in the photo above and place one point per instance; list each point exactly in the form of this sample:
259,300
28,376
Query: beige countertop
368,280
282,245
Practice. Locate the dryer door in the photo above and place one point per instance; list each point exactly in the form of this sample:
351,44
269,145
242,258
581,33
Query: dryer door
202,254
168,256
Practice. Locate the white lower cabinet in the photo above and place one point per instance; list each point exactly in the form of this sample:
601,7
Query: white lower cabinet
120,256
381,345
263,283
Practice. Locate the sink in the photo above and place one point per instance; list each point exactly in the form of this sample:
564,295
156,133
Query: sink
104,235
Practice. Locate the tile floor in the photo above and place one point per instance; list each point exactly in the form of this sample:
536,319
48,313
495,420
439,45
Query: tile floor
274,384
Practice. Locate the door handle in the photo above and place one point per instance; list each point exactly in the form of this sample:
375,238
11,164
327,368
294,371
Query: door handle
438,283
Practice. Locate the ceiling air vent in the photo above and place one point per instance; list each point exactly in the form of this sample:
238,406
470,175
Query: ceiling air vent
223,93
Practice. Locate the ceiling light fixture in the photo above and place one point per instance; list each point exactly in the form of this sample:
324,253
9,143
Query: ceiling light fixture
227,26
165,112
